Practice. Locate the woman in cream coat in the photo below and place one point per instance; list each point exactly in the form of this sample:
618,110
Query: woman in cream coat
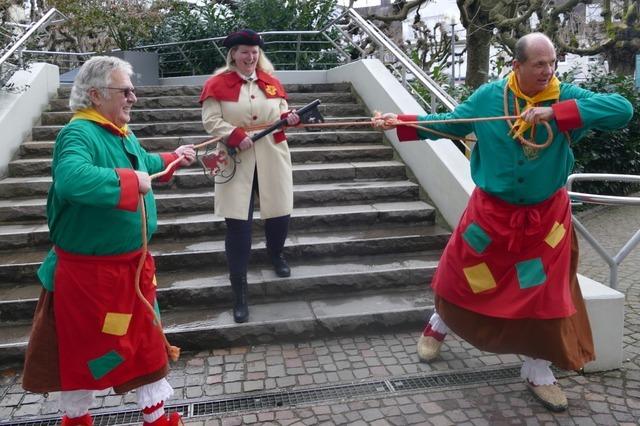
240,95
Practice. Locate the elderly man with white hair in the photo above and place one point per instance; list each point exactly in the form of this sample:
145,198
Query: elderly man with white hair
91,330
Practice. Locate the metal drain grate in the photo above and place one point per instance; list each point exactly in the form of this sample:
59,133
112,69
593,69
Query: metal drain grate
102,419
274,400
454,379
289,398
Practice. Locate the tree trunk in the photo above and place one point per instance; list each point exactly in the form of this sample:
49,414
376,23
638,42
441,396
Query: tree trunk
478,44
621,61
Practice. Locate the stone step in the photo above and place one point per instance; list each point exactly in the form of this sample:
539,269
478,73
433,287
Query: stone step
35,186
209,287
192,101
295,138
174,115
284,321
302,245
186,225
174,201
143,91
184,128
312,154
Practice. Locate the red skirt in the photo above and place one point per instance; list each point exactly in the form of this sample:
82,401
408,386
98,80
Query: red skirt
509,261
105,335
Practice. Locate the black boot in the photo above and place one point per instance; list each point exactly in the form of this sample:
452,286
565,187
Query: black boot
280,265
240,306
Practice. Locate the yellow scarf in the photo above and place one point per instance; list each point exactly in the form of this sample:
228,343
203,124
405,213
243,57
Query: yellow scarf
93,115
551,92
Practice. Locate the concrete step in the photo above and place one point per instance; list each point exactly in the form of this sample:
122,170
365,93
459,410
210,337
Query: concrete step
295,138
144,91
301,245
178,128
191,101
185,225
35,186
285,321
173,201
312,154
208,286
171,115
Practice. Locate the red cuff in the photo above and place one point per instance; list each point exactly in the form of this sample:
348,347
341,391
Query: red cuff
128,190
284,115
407,133
279,136
567,115
236,137
168,158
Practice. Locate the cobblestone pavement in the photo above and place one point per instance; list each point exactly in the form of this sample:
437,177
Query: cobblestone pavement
611,398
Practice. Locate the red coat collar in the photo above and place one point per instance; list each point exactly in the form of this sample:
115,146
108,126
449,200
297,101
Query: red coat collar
226,86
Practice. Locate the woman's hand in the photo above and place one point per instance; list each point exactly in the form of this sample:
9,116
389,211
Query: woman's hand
293,118
245,144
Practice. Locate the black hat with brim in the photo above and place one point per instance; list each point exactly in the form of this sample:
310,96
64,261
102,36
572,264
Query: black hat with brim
245,37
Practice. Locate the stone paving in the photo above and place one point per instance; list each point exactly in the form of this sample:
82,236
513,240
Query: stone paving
611,398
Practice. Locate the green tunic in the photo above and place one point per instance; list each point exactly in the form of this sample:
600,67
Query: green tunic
498,163
82,205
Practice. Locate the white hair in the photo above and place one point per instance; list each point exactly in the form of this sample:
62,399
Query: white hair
95,74
264,64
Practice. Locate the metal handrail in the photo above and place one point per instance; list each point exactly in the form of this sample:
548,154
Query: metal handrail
358,30
611,200
385,43
35,27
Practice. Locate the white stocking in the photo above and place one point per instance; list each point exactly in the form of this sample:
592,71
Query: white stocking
76,403
537,371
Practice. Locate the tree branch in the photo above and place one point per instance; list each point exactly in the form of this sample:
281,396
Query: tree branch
401,15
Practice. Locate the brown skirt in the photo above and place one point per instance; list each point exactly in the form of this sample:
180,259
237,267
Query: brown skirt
566,342
41,367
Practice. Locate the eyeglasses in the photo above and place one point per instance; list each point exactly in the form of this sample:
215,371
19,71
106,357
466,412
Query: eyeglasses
126,90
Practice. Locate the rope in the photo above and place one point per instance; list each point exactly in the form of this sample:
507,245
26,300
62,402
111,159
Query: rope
172,351
418,124
522,140
177,160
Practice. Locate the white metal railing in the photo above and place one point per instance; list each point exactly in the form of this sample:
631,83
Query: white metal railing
18,46
346,38
611,200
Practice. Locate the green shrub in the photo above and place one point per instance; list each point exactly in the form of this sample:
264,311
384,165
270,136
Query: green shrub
615,151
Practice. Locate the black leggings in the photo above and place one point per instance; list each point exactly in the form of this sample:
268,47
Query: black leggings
237,241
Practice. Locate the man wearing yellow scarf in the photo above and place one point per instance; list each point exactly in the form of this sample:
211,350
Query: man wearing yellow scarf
91,331
507,279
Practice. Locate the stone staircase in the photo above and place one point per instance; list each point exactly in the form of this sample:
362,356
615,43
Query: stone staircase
362,244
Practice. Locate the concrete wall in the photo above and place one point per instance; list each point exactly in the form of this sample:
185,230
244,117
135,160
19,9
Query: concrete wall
286,77
440,168
20,111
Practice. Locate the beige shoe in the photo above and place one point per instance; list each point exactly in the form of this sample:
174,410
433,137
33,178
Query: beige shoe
551,396
428,348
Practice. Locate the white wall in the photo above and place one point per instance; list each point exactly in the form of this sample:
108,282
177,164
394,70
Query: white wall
440,168
20,111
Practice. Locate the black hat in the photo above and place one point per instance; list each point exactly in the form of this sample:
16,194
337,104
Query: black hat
246,37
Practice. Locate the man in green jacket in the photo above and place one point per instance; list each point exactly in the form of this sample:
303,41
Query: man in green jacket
507,279
91,330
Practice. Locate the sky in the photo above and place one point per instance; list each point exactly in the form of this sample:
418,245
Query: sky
432,8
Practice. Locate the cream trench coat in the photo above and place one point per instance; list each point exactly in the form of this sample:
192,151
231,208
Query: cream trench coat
272,161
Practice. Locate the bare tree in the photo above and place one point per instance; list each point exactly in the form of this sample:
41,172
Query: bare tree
617,36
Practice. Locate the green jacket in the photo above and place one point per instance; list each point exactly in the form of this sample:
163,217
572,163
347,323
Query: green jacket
498,163
85,209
